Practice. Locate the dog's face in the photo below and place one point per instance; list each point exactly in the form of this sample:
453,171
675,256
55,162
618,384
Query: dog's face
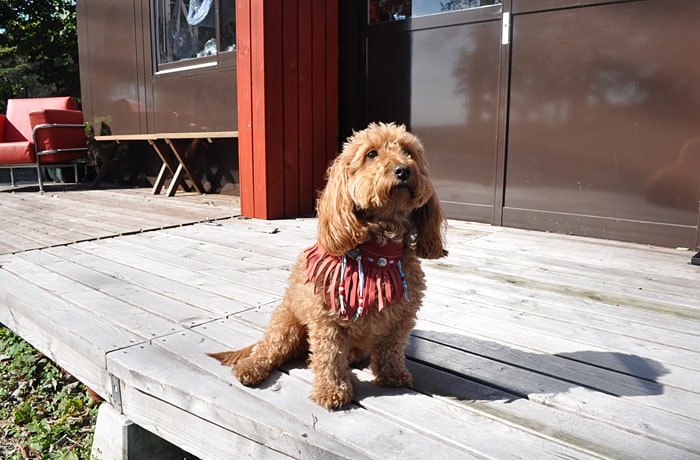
381,174
387,171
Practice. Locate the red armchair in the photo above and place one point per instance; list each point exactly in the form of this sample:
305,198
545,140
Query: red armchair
42,132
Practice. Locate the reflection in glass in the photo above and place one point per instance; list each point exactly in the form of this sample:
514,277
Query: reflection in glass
187,29
398,10
454,108
227,25
388,10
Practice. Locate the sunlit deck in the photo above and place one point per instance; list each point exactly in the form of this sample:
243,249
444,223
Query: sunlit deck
529,345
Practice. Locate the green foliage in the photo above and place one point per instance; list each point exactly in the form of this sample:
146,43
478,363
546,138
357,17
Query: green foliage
44,412
38,49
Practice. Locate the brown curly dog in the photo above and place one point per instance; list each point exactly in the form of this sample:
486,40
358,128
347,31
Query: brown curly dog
355,293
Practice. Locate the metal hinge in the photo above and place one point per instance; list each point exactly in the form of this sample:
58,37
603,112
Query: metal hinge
505,32
116,392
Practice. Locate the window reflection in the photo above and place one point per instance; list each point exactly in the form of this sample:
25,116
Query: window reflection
398,10
388,10
189,29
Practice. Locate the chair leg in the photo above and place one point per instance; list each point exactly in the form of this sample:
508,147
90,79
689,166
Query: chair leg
12,176
39,177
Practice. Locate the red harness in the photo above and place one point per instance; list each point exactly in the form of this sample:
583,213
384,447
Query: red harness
371,273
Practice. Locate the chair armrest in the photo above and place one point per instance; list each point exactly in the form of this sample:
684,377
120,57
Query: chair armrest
2,126
57,129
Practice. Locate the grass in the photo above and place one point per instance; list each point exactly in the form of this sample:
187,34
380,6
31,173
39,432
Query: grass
45,413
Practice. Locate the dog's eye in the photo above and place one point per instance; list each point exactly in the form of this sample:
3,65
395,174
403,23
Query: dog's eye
406,153
372,154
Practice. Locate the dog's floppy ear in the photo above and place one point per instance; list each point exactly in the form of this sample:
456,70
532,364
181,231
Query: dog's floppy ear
338,228
431,225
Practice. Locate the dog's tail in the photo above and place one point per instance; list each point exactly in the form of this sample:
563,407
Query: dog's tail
230,358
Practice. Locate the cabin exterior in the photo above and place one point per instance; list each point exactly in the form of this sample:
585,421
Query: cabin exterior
570,116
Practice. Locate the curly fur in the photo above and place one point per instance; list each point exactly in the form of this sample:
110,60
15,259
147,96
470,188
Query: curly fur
368,194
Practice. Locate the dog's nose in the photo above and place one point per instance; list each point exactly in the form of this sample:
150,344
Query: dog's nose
402,172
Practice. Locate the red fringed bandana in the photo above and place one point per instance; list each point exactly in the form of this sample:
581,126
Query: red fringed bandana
367,274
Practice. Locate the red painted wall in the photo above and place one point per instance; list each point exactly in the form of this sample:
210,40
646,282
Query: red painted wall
287,103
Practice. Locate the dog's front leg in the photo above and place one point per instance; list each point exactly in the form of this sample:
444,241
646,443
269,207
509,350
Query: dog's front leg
387,356
332,387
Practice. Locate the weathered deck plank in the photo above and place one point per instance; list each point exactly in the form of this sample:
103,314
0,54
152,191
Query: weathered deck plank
360,430
66,214
64,332
455,425
529,344
590,434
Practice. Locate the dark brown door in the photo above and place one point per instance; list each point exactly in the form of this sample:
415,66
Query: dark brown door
573,116
439,73
604,120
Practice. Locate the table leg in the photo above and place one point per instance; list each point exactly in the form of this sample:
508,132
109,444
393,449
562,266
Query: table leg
184,166
168,165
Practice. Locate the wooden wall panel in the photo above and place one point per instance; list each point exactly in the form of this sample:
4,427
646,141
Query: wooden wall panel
332,81
270,126
290,58
245,108
306,178
259,94
318,60
288,103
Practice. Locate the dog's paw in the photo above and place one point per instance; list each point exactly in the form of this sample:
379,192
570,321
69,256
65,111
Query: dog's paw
249,373
332,396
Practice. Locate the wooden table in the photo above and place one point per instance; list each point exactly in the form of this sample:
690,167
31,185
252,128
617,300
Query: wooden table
183,147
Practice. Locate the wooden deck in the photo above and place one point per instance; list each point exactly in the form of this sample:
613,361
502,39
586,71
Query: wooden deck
529,345
67,214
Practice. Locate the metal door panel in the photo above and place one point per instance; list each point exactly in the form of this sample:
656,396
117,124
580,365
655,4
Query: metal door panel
454,109
604,131
440,76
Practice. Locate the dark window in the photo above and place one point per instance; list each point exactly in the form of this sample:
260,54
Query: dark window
190,32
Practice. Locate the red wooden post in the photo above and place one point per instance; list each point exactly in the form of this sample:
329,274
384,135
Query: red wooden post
245,107
287,102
